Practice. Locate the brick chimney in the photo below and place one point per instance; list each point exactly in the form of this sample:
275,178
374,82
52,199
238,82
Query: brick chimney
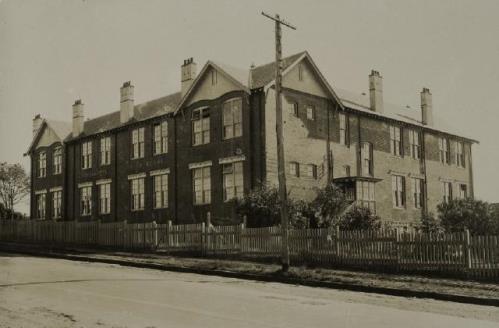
376,91
78,118
188,74
126,102
426,107
37,123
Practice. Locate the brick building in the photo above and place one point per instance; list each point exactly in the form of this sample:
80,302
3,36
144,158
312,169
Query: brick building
191,152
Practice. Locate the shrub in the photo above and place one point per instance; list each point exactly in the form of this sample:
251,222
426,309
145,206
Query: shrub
329,204
359,218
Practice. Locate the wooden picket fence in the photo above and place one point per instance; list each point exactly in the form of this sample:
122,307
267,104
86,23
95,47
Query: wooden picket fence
458,254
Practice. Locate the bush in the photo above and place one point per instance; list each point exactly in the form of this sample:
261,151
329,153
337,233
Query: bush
429,224
474,215
329,204
359,218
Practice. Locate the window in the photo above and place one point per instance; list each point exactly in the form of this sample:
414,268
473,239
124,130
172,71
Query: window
56,204
138,143
443,146
214,77
460,154
343,129
294,169
311,113
232,118
367,159
200,126
233,180
311,171
137,194
417,189
463,191
365,195
58,160
105,151
160,191
415,144
160,135
40,206
42,164
294,109
447,191
398,191
300,72
395,141
86,155
86,200
105,198
202,185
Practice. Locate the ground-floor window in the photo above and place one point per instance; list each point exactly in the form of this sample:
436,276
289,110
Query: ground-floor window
447,191
417,189
86,200
105,198
463,191
233,181
161,191
365,195
201,179
40,206
137,194
56,204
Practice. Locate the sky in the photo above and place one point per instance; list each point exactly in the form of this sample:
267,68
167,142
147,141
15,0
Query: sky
53,52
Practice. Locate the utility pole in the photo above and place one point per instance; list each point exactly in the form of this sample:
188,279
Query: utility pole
281,171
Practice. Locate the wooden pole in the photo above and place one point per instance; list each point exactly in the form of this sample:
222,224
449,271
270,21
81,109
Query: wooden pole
281,172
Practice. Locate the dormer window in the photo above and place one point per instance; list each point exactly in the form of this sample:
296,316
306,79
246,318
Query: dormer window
200,126
42,164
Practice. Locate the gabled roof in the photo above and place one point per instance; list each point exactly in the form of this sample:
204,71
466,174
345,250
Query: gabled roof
144,111
236,75
61,129
264,76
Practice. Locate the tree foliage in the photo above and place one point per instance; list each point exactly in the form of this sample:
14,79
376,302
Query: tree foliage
328,206
359,218
475,215
14,185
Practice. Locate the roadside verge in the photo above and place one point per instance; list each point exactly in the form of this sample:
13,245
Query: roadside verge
452,290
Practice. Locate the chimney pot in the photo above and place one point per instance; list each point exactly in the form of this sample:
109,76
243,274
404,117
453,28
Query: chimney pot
78,117
126,102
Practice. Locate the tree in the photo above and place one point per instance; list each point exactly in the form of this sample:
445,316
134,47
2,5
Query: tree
329,205
14,185
359,218
474,215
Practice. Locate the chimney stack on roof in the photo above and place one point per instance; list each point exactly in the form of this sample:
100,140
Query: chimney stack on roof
78,118
37,123
187,75
426,107
126,102
376,91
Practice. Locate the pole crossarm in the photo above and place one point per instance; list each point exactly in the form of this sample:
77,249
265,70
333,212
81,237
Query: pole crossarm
279,20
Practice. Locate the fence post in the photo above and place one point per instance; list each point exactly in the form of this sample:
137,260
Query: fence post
203,238
169,235
468,249
98,233
155,230
124,235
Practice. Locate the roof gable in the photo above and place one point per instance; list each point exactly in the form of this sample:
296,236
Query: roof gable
49,133
227,79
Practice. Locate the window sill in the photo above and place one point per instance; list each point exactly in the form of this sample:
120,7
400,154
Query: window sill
231,138
85,215
136,158
159,154
399,208
201,204
137,210
160,208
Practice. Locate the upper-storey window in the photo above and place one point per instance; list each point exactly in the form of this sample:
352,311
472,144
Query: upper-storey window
398,191
42,164
232,118
415,143
367,159
138,143
200,126
233,180
395,141
105,151
460,159
58,160
86,155
160,135
343,129
444,150
311,113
